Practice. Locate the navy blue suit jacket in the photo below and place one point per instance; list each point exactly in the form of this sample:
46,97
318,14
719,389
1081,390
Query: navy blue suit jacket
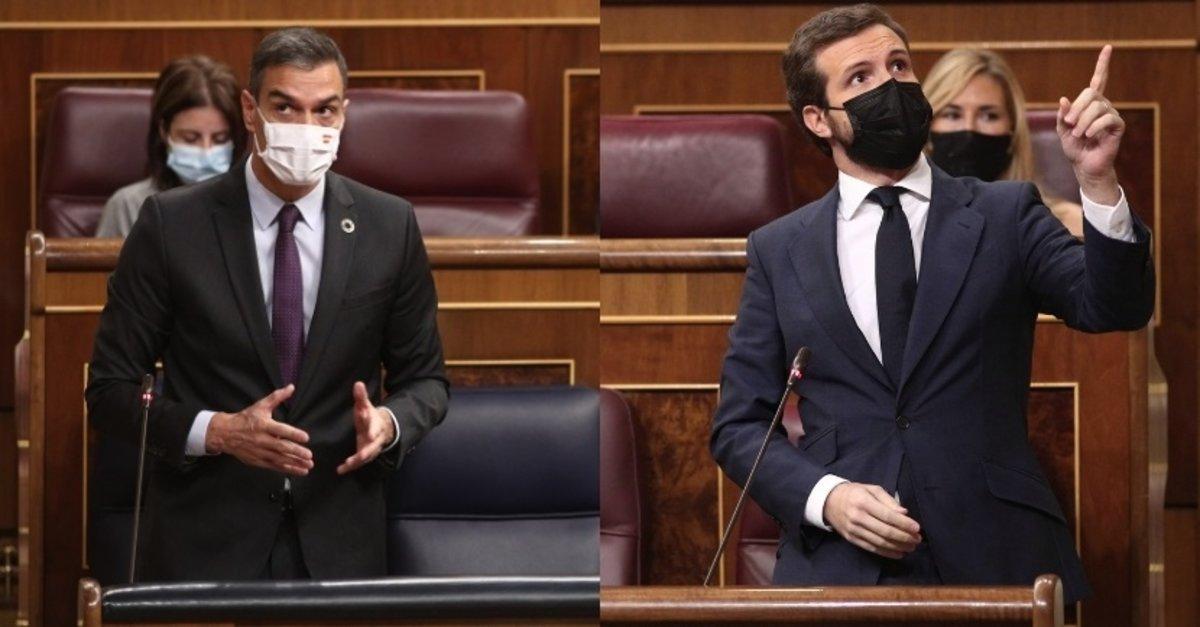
992,259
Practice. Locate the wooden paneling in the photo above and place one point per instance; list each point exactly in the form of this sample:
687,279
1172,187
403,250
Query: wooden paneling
581,150
53,12
662,353
1088,419
490,334
772,23
465,373
1052,432
8,471
1039,605
1178,570
677,479
529,326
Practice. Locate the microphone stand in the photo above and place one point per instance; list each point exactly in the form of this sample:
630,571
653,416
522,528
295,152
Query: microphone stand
147,396
797,373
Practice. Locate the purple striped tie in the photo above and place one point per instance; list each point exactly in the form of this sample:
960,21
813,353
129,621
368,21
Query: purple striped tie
287,306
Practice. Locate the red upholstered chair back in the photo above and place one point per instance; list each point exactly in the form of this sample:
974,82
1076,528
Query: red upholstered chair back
758,535
95,144
1054,172
465,159
620,500
691,176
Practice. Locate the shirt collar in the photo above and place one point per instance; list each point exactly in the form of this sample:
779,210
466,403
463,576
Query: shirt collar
853,191
265,205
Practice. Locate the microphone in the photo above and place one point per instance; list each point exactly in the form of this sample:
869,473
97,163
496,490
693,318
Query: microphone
799,363
147,396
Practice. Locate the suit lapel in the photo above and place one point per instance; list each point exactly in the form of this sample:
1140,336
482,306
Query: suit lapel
813,253
336,261
235,232
951,237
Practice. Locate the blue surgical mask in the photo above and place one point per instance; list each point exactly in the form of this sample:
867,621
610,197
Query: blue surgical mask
194,164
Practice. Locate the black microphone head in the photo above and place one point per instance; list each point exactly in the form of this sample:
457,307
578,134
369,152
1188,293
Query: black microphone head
147,383
801,360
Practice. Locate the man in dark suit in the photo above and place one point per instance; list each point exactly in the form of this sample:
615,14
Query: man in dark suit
915,466
271,295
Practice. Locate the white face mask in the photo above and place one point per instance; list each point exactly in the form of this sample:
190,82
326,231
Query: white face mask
193,163
298,154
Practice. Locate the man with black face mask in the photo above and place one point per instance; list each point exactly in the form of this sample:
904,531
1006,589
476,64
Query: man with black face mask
917,293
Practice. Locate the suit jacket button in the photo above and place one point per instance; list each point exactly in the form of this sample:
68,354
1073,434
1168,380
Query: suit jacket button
902,422
273,496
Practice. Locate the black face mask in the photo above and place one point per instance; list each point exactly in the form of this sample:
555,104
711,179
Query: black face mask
891,125
968,153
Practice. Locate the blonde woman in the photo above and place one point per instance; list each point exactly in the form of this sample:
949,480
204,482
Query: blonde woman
979,126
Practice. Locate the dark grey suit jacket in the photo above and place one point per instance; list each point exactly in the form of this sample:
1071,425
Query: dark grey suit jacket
186,290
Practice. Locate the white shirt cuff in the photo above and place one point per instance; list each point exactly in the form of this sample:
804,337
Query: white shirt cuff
1114,222
198,435
814,508
395,423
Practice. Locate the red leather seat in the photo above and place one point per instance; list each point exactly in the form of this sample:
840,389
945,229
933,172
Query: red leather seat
95,144
691,175
465,159
620,500
1055,174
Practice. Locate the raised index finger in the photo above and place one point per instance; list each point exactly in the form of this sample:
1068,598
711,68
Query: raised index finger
1100,76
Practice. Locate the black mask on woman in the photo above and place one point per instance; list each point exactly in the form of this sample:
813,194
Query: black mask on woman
891,125
969,153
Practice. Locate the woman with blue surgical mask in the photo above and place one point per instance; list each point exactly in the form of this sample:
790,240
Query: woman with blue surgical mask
195,134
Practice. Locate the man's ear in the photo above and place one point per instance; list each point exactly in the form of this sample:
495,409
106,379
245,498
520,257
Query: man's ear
816,121
250,117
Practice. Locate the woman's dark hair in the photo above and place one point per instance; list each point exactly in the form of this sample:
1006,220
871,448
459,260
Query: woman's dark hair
188,82
805,83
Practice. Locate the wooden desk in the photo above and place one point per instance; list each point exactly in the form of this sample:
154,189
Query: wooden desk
511,311
1039,606
666,309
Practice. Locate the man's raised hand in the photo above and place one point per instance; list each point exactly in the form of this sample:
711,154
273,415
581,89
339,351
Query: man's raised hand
255,438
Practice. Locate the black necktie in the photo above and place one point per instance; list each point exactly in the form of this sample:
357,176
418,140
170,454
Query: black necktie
895,279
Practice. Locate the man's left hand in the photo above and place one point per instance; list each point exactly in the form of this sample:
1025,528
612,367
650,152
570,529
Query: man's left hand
374,430
1090,130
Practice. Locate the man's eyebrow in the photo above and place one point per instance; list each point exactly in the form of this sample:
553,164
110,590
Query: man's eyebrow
857,65
275,93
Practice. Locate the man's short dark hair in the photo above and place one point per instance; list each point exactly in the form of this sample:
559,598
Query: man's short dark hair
805,83
304,48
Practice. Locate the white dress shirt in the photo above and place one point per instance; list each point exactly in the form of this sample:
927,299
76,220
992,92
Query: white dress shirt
857,225
310,241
